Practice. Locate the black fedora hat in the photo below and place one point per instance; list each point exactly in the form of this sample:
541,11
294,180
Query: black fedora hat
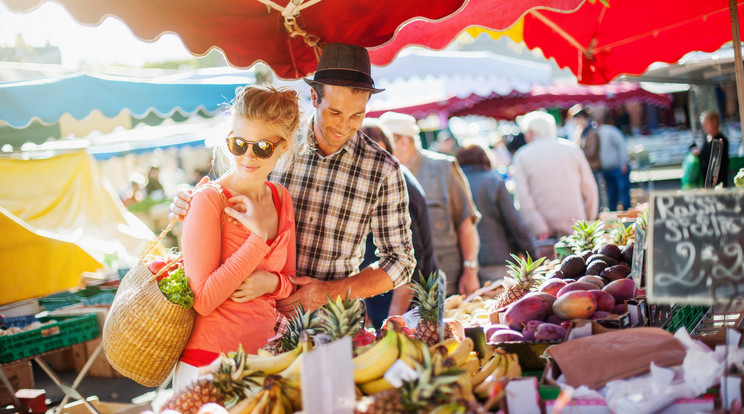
344,65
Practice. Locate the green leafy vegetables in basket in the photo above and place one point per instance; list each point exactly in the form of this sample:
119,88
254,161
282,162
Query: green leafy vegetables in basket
176,289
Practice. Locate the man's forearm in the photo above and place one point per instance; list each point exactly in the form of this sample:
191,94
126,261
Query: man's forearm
469,241
367,283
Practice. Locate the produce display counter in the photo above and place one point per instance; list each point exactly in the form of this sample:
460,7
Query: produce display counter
57,333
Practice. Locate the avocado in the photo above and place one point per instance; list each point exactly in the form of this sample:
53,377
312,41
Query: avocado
615,272
572,266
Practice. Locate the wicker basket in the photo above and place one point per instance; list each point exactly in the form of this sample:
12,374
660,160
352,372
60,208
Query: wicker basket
144,333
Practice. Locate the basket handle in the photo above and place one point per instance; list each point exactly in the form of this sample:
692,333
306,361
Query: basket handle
167,266
150,247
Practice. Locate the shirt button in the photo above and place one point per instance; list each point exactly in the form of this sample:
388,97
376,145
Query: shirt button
317,188
311,219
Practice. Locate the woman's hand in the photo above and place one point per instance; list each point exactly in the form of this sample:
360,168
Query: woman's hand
257,284
246,212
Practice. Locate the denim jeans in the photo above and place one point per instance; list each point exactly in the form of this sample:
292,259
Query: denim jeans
618,188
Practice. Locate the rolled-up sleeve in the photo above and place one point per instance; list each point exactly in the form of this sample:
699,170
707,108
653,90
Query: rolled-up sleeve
391,229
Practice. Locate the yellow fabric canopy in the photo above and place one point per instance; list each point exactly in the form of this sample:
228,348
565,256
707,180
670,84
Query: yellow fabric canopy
59,218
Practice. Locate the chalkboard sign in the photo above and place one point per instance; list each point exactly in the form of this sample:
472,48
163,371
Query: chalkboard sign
695,247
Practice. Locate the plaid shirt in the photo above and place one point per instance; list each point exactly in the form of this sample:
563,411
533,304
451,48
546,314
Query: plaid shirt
339,199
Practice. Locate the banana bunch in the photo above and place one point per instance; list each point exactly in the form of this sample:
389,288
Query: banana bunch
501,365
374,361
276,397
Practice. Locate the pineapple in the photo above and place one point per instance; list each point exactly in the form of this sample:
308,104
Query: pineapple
426,299
522,276
619,234
226,386
299,322
585,236
436,385
341,317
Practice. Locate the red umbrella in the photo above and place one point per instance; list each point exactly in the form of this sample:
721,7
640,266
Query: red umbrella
562,95
493,14
257,30
598,43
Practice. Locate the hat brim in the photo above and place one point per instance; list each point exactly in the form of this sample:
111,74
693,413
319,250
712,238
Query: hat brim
342,82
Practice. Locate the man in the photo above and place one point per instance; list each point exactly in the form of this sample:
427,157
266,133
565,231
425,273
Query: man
587,138
452,212
343,185
613,154
711,124
554,183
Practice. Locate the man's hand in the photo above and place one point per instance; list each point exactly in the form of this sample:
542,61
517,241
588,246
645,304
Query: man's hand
257,284
312,293
182,202
468,282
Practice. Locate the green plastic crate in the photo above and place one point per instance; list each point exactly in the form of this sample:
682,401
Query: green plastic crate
66,331
687,316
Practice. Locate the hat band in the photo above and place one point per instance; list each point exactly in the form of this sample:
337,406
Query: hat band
343,74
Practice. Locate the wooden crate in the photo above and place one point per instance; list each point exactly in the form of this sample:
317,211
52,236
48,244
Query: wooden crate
100,368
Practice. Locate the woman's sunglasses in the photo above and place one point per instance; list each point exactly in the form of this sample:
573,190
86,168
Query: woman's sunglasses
262,149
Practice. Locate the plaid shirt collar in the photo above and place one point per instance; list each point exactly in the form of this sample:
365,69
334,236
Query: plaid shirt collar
310,143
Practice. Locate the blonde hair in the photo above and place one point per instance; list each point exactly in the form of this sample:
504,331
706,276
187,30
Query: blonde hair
277,107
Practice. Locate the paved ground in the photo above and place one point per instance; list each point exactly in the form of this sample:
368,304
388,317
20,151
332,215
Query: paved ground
121,390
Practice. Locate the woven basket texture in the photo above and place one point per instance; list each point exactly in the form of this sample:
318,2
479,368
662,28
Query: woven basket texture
144,333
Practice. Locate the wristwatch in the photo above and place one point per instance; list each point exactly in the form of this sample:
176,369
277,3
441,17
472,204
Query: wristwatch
473,264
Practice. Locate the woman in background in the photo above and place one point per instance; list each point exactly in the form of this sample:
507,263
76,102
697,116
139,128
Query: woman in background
500,229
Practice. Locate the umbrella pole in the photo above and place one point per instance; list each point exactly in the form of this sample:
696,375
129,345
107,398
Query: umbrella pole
734,11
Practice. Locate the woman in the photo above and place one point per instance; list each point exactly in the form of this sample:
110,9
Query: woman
239,268
500,229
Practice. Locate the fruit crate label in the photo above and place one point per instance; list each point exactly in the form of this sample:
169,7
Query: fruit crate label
636,267
328,379
695,247
442,294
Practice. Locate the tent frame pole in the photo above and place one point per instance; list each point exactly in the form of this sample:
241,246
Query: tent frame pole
734,11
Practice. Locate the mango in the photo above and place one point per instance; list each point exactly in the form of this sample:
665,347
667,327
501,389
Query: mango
505,335
550,332
554,319
552,286
574,286
621,289
525,309
620,308
546,297
530,328
488,330
578,304
593,279
605,301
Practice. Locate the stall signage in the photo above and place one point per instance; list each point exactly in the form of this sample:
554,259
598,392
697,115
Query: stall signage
695,247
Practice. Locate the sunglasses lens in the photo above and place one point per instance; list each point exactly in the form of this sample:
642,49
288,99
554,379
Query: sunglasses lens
263,149
237,146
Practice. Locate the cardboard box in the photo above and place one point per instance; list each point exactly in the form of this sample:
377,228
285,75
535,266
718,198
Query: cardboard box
101,368
20,376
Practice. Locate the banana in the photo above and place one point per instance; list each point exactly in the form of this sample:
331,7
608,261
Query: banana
261,407
376,360
375,386
461,352
295,368
292,393
465,387
513,369
449,343
245,406
272,364
410,350
486,369
470,366
481,390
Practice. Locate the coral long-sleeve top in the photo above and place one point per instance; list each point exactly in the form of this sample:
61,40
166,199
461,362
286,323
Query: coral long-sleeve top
218,257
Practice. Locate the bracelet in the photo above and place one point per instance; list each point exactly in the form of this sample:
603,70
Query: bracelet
473,264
